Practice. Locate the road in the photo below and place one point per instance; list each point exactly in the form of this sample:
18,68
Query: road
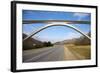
55,53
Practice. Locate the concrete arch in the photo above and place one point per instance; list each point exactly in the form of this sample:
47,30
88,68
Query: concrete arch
50,25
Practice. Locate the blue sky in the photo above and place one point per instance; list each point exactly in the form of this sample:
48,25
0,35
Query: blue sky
56,33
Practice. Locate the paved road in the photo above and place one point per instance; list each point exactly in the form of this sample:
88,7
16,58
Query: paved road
55,53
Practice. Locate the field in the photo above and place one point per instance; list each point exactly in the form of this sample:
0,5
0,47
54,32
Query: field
83,51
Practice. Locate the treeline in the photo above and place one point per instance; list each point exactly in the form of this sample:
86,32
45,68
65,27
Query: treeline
32,43
27,46
47,44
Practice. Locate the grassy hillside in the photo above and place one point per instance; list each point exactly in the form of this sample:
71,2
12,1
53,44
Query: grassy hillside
83,51
80,46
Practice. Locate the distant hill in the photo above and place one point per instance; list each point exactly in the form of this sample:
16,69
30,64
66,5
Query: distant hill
77,41
69,41
83,40
31,43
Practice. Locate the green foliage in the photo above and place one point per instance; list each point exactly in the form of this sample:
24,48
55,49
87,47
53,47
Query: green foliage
47,44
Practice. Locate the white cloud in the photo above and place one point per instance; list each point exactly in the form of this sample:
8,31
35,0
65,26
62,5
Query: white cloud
81,15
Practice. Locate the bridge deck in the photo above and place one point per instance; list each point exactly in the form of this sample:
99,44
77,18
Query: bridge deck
48,21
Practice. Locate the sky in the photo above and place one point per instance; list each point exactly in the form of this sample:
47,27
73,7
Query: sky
56,33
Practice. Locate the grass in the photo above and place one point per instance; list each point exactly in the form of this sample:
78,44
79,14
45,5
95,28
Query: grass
82,50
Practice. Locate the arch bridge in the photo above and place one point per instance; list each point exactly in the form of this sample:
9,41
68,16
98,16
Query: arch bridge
51,23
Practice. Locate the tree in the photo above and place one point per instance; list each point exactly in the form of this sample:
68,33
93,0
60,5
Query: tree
48,44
